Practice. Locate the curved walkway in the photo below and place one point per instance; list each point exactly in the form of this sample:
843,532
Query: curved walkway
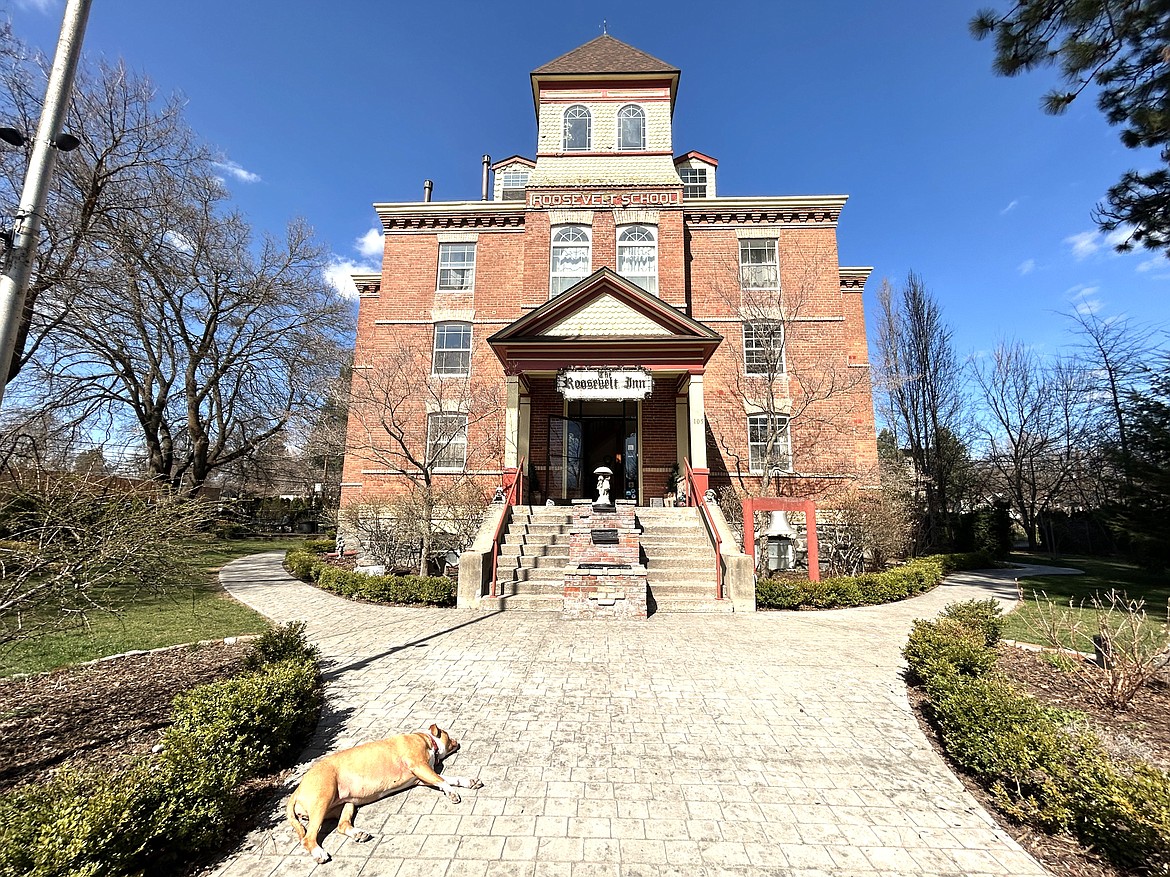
769,743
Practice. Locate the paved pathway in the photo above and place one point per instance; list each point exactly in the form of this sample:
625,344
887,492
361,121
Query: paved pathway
773,743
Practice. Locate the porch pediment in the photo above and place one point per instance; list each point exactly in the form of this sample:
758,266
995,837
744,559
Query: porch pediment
605,318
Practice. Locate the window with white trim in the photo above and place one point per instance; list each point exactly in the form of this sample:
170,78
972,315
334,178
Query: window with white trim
694,181
456,267
637,256
447,441
512,185
769,443
759,267
631,132
572,257
452,352
577,134
763,347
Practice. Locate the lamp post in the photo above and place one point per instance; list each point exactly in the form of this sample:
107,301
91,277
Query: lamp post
18,260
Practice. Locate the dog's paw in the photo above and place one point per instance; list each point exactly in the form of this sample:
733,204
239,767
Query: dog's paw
453,796
319,855
475,783
359,836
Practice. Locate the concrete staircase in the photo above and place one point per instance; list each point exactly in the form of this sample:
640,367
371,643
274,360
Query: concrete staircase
532,558
680,561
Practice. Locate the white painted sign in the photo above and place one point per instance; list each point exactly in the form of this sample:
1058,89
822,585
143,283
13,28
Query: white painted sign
607,384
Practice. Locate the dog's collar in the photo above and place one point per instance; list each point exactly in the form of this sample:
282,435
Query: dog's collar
433,741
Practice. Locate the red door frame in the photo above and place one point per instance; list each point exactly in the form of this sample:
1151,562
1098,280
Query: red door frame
752,505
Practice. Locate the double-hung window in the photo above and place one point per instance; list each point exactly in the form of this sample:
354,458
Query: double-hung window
577,136
637,256
571,259
456,267
694,181
759,267
447,441
769,443
763,348
452,352
631,128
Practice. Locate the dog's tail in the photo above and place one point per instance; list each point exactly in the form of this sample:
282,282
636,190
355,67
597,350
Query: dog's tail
291,812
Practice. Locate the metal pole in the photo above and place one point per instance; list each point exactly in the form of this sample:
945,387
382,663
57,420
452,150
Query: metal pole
19,261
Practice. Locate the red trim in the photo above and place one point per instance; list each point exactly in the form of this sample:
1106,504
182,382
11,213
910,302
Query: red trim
751,505
604,81
698,155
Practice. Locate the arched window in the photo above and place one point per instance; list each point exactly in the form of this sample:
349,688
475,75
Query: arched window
577,129
637,256
631,128
571,258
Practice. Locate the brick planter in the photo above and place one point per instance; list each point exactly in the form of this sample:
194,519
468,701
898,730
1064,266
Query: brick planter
604,578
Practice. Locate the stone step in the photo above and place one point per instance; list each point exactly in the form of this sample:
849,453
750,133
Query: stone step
525,603
677,570
544,561
546,587
670,605
534,549
702,580
528,574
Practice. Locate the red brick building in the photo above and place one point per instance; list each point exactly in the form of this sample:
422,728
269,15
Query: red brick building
603,305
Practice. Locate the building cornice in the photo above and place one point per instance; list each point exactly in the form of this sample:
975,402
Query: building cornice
783,210
853,278
426,215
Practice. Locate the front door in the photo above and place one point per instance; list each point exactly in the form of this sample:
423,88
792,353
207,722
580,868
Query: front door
593,434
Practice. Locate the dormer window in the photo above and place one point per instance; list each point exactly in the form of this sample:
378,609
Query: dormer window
577,135
631,128
512,184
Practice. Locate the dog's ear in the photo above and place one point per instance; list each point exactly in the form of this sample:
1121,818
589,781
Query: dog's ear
434,729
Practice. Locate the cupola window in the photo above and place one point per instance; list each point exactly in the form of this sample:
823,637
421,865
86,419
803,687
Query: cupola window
631,128
577,136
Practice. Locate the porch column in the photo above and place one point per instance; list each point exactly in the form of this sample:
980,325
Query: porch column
525,426
698,433
512,423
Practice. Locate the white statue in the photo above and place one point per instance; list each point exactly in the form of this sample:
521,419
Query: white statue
603,473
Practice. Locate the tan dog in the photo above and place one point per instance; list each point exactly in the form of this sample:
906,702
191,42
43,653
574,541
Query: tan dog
343,781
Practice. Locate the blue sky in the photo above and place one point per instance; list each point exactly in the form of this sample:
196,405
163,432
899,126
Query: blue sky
325,108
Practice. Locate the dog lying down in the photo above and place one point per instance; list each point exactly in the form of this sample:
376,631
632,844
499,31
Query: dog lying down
342,782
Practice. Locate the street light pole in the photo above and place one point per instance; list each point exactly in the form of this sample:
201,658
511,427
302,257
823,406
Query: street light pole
18,261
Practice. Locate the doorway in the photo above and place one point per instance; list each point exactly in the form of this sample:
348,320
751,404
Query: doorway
589,435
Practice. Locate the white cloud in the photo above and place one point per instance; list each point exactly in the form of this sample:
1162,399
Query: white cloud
371,244
234,170
178,241
1084,244
1027,266
1090,243
1012,206
338,271
1083,299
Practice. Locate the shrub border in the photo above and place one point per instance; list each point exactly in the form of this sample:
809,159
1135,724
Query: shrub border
396,590
914,577
1042,766
168,808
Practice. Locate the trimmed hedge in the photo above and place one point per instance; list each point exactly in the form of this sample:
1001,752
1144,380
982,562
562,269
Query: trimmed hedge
1041,765
407,590
868,589
167,808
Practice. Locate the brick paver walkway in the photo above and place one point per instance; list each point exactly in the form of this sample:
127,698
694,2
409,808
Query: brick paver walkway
769,743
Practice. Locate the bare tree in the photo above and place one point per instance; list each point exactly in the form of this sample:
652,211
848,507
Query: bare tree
74,544
1035,427
921,381
1112,354
154,313
801,399
428,430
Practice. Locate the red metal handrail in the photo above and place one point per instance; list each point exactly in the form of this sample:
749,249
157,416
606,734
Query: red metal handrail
515,491
695,498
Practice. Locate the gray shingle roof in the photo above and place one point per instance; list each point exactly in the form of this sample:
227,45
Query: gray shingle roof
605,55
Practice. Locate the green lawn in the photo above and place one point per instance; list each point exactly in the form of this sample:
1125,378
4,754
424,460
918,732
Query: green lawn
1100,576
197,611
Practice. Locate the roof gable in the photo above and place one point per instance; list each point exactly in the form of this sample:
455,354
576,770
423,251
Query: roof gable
604,304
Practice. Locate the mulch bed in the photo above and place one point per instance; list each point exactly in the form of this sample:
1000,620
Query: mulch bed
1143,731
102,715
